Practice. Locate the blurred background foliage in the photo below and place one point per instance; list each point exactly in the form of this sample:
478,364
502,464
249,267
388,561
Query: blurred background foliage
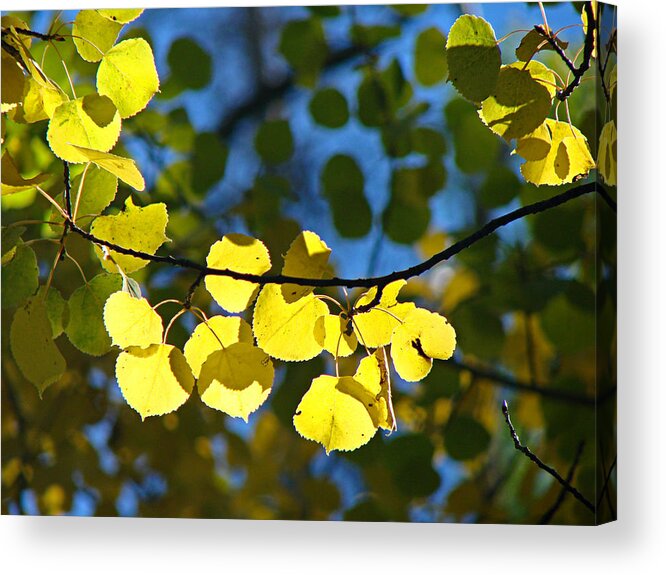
337,120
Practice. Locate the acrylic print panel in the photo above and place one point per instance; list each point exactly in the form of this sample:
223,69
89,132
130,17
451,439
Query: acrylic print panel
337,263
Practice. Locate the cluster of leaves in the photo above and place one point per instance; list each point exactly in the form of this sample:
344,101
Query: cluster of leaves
522,313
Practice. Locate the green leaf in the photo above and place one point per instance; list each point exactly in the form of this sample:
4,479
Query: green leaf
98,191
430,64
85,328
343,184
32,345
428,142
473,57
406,219
10,239
329,108
409,459
369,35
190,64
136,228
123,16
499,188
20,277
568,327
128,76
521,100
91,122
274,142
209,161
476,147
534,42
12,181
123,168
465,438
56,307
303,44
94,35
410,9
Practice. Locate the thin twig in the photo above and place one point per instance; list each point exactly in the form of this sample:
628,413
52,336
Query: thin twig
548,515
526,451
605,490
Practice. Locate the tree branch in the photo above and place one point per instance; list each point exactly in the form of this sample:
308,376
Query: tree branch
378,281
526,451
548,515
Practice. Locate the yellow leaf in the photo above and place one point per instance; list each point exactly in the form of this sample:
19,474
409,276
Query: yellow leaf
288,331
521,100
91,121
567,156
131,321
154,381
374,328
338,412
236,379
40,102
373,373
136,228
123,15
239,253
607,154
307,257
462,286
423,335
336,335
123,168
128,76
31,340
218,332
12,181
94,35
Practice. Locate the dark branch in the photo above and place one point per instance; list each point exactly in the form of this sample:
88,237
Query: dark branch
548,515
588,50
379,281
605,490
526,451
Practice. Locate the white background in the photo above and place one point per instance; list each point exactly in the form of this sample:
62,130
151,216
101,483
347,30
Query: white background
634,544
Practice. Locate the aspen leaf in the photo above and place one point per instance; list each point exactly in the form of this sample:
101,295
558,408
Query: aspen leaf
217,333
98,191
131,321
154,381
239,253
373,373
137,228
567,158
91,121
430,65
124,168
236,379
333,334
124,16
374,328
40,101
85,328
12,181
20,276
534,42
521,100
607,154
13,82
473,57
128,76
288,331
31,340
338,412
307,257
94,35
423,335
55,309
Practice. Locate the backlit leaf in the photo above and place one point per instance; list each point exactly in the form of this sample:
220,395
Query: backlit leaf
473,57
137,228
218,332
12,181
239,253
91,122
154,381
288,331
98,191
85,327
236,379
307,257
335,337
123,15
128,76
124,168
31,340
422,336
94,35
131,321
521,100
534,42
20,276
607,156
40,101
338,412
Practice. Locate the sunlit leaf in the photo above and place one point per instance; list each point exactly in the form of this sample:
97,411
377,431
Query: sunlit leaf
607,156
336,335
154,381
239,253
236,379
534,42
40,101
94,35
131,321
12,181
307,257
124,168
123,16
